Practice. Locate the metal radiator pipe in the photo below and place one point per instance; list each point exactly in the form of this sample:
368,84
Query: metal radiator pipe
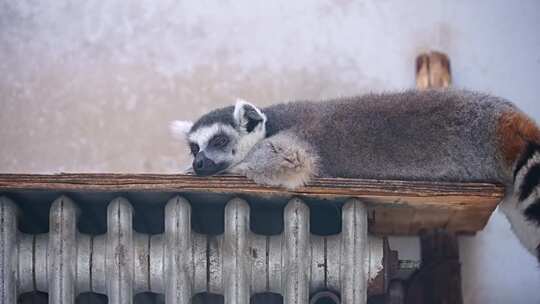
177,275
8,249
62,252
180,263
354,253
324,297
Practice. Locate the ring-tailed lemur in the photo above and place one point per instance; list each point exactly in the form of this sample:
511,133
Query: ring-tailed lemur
441,135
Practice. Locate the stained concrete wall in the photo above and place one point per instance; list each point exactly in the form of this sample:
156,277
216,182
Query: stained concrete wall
90,86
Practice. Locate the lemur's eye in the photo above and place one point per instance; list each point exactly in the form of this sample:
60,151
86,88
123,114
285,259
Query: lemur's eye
194,148
219,141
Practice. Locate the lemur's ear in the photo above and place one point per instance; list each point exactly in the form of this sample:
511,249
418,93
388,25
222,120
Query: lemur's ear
247,116
180,128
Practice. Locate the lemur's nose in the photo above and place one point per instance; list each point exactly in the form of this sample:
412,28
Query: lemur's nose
202,162
199,164
204,165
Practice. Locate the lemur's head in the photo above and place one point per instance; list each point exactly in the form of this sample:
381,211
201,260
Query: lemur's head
222,138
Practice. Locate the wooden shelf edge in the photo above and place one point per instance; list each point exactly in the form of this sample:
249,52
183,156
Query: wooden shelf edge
396,206
326,187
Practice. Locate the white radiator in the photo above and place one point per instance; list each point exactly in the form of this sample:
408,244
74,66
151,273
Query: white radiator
181,263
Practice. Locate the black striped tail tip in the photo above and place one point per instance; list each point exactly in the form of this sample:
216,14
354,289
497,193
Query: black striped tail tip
532,212
529,152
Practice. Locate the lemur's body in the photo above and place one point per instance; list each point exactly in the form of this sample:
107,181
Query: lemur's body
407,136
430,135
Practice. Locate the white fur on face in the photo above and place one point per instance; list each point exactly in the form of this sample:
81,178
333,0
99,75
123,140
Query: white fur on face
202,135
244,141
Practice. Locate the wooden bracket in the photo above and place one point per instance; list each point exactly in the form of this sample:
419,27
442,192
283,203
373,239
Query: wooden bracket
438,281
432,71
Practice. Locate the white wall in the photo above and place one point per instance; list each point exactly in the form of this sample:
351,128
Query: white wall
91,85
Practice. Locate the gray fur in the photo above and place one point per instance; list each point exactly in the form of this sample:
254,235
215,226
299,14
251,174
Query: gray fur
223,116
431,135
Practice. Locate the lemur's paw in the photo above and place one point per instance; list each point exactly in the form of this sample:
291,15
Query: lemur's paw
285,179
281,160
289,158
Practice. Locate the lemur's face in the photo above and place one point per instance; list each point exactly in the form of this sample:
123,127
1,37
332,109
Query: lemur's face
222,138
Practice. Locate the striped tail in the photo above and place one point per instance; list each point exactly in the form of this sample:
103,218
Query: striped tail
525,218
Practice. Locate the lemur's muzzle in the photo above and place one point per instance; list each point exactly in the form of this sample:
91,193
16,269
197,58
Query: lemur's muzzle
204,166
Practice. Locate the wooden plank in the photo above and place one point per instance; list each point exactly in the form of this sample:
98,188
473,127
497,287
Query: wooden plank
432,71
462,222
437,194
396,207
411,221
391,221
439,279
422,71
430,217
